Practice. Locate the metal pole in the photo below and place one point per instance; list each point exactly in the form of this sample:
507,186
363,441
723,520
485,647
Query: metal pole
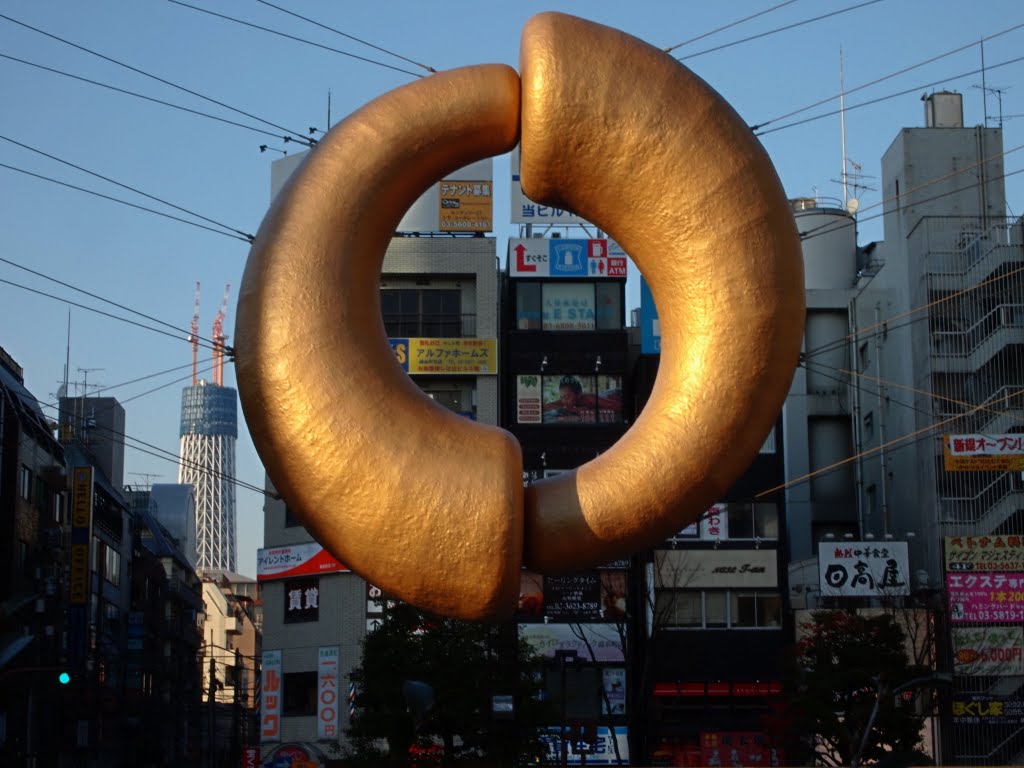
212,717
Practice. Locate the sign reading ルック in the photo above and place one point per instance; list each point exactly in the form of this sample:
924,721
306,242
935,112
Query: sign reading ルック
981,597
983,453
863,568
270,717
984,553
327,694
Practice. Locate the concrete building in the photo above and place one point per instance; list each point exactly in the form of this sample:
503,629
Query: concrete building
209,429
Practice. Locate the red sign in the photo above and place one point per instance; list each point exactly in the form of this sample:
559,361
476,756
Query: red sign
738,748
250,757
295,560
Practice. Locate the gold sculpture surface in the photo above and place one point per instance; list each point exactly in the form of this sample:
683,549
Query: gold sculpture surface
430,506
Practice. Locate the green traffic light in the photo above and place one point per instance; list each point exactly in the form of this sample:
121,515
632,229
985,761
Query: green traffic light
64,678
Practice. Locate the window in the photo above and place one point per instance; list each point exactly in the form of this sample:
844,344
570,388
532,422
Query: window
25,483
758,520
528,307
299,695
301,600
112,566
609,306
290,520
718,609
769,443
422,312
568,306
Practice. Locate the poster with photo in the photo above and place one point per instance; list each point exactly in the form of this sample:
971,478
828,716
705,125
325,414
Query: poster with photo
609,399
531,597
569,400
613,595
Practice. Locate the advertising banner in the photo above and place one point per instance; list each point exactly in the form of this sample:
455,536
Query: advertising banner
717,568
81,534
981,597
601,752
863,568
984,553
574,597
270,716
531,597
459,356
592,259
979,709
327,696
988,651
714,524
295,560
528,399
465,206
604,640
983,453
614,691
581,399
650,324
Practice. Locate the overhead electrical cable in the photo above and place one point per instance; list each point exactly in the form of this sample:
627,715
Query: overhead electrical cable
170,104
294,135
137,191
716,30
295,38
356,39
897,73
107,388
187,334
785,28
851,107
125,202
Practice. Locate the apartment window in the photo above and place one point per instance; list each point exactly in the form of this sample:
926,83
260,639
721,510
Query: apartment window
112,566
422,312
718,609
755,609
757,520
301,600
678,609
298,697
25,483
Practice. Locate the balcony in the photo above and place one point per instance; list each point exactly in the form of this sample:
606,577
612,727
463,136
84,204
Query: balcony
442,325
970,349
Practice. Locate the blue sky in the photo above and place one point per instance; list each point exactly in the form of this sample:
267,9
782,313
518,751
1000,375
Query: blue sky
151,264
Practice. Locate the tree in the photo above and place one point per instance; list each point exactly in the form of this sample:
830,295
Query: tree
465,664
841,691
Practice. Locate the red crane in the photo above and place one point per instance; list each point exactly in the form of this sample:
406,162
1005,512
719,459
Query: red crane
219,339
193,337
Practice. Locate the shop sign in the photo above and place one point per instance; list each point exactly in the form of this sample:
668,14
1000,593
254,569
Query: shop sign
980,709
295,560
984,553
474,357
327,697
591,259
986,597
717,568
603,640
983,453
575,597
988,651
863,568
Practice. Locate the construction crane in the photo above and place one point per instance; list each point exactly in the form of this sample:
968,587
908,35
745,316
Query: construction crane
193,337
219,338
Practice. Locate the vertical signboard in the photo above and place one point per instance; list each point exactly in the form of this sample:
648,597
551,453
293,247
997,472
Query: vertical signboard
78,586
327,694
270,716
650,325
714,524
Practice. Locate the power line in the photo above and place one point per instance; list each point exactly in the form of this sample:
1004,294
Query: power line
146,98
785,28
717,29
353,37
31,271
95,392
296,136
68,163
868,103
125,202
897,73
93,309
296,39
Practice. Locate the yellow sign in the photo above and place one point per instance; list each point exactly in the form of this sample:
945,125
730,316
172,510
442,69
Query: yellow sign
81,522
983,453
79,581
81,497
465,356
465,206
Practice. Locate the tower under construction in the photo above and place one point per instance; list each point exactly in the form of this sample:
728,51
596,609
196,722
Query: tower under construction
209,428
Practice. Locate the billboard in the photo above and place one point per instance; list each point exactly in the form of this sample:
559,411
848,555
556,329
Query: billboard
980,709
557,257
465,205
458,356
603,639
863,568
526,211
986,597
983,453
714,523
984,553
717,568
601,752
988,651
574,597
270,716
614,684
650,324
528,399
327,696
295,560
580,399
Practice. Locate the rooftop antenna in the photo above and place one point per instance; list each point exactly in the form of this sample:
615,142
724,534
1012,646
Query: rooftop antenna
147,478
67,356
998,92
193,337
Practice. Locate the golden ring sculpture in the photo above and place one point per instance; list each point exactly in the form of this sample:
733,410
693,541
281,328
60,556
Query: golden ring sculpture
428,505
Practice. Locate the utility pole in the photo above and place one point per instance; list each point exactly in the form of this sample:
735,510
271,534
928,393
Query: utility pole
211,701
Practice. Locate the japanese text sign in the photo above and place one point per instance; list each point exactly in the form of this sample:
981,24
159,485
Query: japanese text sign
460,356
465,206
984,553
986,597
270,716
327,696
863,568
593,259
295,560
980,709
988,650
983,453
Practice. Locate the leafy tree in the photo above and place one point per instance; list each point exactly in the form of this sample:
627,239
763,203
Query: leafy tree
465,663
842,686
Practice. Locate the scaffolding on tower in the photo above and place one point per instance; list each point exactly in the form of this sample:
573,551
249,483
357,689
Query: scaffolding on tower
219,338
193,337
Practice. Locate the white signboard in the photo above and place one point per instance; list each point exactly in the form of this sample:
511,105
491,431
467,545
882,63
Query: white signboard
528,399
604,640
270,716
526,211
602,752
717,568
295,560
714,524
614,690
988,651
593,259
863,568
327,697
